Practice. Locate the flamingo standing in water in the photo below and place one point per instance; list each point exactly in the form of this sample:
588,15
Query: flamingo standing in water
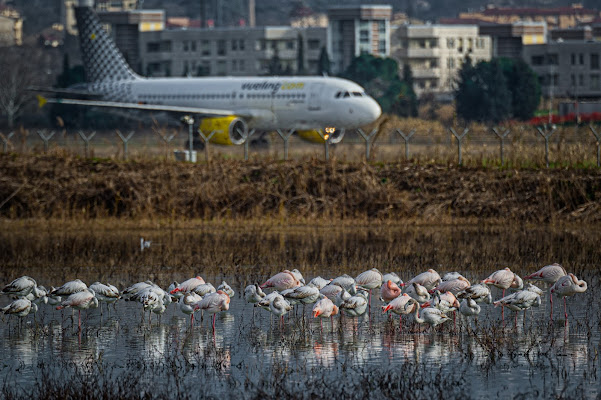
354,306
279,306
502,279
105,294
20,287
568,285
522,300
418,292
80,301
548,274
429,279
187,304
431,316
401,305
480,293
452,285
188,285
282,281
469,307
21,308
214,303
253,294
325,308
369,280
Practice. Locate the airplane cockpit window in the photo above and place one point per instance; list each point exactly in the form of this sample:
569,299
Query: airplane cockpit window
338,95
357,94
347,94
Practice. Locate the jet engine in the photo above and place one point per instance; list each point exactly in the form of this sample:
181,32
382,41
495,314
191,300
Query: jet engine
332,134
228,130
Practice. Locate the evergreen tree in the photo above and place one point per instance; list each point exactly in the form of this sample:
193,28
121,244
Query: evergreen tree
525,89
324,65
409,94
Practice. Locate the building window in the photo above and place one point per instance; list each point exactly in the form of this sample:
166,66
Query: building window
450,43
221,47
152,47
313,44
364,36
290,44
382,47
193,45
552,59
538,60
581,59
185,45
595,82
241,44
573,59
460,45
450,62
594,61
234,45
206,48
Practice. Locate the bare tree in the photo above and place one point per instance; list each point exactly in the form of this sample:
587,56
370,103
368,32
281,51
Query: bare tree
20,68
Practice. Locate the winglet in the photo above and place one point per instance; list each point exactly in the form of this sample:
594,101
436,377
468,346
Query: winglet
41,101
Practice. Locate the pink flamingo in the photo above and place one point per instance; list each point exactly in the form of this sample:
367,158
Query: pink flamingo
188,285
568,285
369,280
548,274
454,285
20,287
188,305
401,305
429,279
282,281
389,291
502,279
214,303
80,301
325,308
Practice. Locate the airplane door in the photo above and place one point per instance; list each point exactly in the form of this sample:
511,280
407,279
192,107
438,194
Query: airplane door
315,97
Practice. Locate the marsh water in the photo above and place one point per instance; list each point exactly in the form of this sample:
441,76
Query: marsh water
252,355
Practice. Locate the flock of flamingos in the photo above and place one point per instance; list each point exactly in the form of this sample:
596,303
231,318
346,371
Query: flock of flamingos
427,292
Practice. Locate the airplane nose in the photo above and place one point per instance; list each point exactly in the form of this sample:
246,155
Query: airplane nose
373,110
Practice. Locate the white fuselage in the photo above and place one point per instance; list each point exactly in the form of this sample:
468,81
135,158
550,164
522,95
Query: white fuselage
264,102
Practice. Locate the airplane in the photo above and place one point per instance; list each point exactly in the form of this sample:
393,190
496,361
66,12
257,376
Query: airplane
229,106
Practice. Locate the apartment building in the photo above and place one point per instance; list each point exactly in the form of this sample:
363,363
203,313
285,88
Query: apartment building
11,27
567,68
436,53
555,17
355,30
231,51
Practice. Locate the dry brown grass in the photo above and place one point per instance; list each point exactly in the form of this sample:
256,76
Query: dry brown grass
63,186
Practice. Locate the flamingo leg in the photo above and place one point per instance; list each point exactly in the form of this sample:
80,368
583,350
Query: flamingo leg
516,320
191,320
400,322
332,322
79,320
503,308
320,325
214,315
551,299
565,308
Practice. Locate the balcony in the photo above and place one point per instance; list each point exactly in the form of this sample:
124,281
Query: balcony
418,52
423,72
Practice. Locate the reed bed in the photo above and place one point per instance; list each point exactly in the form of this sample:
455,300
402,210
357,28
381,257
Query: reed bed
63,186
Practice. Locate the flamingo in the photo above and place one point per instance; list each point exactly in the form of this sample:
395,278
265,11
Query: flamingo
282,281
431,316
389,291
21,308
279,306
188,285
224,287
480,293
469,307
331,290
20,287
253,294
214,303
548,274
69,288
453,285
187,304
502,279
80,301
391,276
132,290
341,297
319,282
451,276
325,308
418,292
105,294
205,288
522,300
429,279
346,282
297,274
568,285
369,280
307,294
401,305
354,306
445,302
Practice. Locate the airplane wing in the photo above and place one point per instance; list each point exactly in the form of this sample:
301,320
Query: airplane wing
147,107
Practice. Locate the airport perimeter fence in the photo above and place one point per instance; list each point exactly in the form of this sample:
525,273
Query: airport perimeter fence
526,144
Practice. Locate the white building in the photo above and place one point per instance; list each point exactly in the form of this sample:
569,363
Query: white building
436,53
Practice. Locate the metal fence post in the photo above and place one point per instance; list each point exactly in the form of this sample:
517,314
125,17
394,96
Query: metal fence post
406,138
125,141
547,135
598,137
459,141
166,138
42,135
369,139
246,137
206,139
5,141
86,140
502,137
285,137
326,143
